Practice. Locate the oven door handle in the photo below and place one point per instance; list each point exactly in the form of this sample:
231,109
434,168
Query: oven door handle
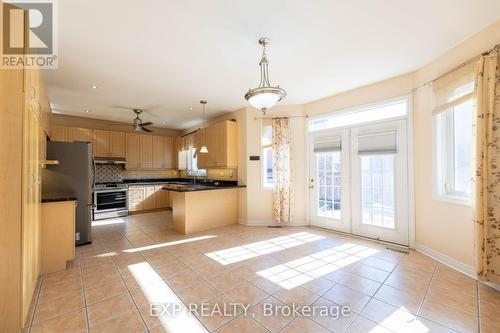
111,190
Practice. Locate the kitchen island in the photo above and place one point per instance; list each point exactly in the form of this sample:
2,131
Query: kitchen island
200,207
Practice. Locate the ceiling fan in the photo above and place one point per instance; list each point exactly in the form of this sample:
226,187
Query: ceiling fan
138,124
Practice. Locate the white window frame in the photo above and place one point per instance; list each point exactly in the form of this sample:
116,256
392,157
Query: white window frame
444,161
265,184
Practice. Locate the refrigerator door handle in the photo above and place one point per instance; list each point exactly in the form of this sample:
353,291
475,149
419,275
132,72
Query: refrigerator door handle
93,173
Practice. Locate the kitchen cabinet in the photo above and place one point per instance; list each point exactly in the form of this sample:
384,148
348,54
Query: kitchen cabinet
79,134
58,235
162,197
158,150
135,198
21,101
117,144
146,151
133,151
108,143
168,153
147,197
100,143
221,140
58,133
142,152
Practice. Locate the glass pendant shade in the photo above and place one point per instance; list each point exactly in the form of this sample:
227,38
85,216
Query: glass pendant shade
265,98
203,150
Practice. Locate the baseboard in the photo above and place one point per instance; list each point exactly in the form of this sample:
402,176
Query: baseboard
455,264
267,223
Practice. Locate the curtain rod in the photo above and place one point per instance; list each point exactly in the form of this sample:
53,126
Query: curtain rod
496,47
257,118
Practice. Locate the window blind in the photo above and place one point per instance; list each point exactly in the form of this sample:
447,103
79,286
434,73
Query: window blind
331,145
377,143
453,89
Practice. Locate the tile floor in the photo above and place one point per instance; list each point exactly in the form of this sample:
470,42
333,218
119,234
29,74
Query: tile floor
140,260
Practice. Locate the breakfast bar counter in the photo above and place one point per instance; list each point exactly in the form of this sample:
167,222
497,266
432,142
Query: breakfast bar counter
203,209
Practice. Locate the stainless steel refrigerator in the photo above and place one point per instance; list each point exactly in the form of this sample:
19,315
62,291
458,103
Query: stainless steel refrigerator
74,174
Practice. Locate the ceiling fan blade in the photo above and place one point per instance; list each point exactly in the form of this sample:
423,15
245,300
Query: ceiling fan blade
147,123
146,129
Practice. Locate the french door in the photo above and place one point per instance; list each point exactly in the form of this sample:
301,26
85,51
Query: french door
359,180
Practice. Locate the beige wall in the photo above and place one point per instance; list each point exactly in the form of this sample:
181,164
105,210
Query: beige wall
259,200
440,226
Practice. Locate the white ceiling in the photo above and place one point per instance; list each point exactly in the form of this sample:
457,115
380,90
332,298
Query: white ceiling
166,55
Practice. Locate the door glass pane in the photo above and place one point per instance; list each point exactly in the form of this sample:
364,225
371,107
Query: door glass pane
328,184
377,190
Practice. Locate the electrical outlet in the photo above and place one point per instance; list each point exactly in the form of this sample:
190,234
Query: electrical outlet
77,236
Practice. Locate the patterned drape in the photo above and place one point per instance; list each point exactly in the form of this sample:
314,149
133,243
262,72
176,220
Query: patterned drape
487,156
282,171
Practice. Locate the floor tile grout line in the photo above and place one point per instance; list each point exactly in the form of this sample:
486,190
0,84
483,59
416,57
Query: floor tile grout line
419,310
130,295
84,297
35,304
170,287
478,307
372,297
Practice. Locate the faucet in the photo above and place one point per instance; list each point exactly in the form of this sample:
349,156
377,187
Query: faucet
190,173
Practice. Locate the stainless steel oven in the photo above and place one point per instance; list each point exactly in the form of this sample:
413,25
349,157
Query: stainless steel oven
110,201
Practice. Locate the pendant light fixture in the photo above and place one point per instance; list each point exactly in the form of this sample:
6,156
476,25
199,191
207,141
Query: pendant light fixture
264,96
203,149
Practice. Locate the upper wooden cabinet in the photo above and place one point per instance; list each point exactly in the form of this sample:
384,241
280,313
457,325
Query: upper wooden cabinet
149,152
168,153
58,133
79,134
158,158
101,143
142,151
108,143
221,140
117,144
133,151
146,151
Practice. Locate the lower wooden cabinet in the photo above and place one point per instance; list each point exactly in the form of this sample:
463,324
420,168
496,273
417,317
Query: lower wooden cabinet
162,197
58,235
147,197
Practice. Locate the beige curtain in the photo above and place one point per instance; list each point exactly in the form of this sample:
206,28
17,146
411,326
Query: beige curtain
282,171
487,156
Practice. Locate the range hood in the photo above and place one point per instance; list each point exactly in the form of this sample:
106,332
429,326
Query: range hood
109,160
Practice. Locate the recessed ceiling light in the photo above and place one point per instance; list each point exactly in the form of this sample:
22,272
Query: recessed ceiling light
190,108
87,110
93,86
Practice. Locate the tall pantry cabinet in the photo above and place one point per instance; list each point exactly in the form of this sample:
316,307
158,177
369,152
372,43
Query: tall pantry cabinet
24,122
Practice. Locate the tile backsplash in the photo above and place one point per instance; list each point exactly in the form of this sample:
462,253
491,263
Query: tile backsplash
108,173
150,174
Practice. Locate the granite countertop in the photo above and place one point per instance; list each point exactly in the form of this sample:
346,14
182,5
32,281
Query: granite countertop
199,187
55,197
155,181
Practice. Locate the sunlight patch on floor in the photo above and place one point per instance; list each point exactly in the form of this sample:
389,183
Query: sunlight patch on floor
160,293
297,272
161,245
256,249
